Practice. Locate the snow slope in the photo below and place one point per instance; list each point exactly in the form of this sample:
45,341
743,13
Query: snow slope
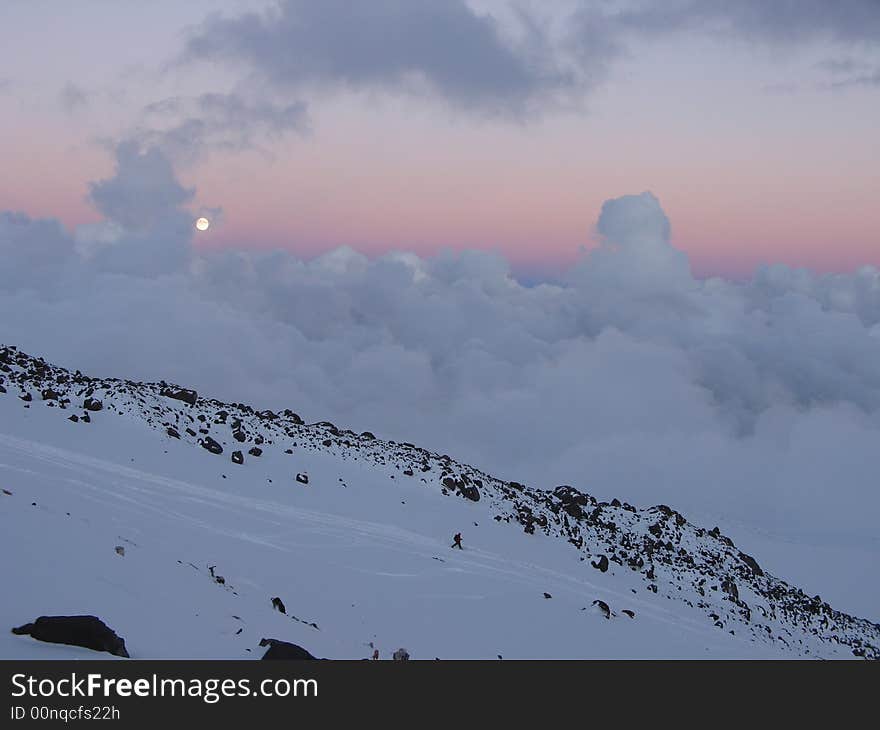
360,554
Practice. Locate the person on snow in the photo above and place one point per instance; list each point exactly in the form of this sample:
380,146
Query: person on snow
456,541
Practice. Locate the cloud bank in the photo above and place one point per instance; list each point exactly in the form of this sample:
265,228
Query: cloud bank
758,401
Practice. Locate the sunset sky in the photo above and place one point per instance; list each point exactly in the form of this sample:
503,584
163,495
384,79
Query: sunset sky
486,125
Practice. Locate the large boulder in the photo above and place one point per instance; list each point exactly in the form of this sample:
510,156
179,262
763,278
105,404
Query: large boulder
187,396
284,650
87,631
211,445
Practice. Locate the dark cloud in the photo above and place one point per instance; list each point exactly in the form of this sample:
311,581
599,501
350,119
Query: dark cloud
441,46
510,68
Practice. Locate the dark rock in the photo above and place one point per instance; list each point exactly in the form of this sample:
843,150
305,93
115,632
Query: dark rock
293,417
752,563
327,442
729,587
278,605
92,404
470,492
211,445
87,631
86,418
255,451
631,614
302,478
27,397
239,436
284,650
172,432
187,396
368,436
190,432
602,564
603,607
49,394
73,418
547,595
237,457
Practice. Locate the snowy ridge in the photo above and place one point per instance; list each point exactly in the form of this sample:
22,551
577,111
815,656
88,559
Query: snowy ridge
696,576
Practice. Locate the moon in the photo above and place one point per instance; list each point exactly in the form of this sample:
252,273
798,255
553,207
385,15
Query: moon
202,224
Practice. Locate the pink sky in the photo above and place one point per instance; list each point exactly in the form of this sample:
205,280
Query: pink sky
746,176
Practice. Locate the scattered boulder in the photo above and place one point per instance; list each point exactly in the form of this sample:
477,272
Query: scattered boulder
631,614
92,404
237,457
86,631
602,563
401,655
284,650
120,550
74,418
302,478
602,607
172,432
547,595
211,445
278,605
49,394
256,451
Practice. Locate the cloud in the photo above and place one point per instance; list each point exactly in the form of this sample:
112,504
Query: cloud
72,97
845,21
185,128
146,231
441,47
600,33
515,64
752,402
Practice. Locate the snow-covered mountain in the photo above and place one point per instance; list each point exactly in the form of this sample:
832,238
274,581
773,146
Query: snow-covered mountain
177,519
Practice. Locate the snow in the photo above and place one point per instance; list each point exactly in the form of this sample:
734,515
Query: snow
362,551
